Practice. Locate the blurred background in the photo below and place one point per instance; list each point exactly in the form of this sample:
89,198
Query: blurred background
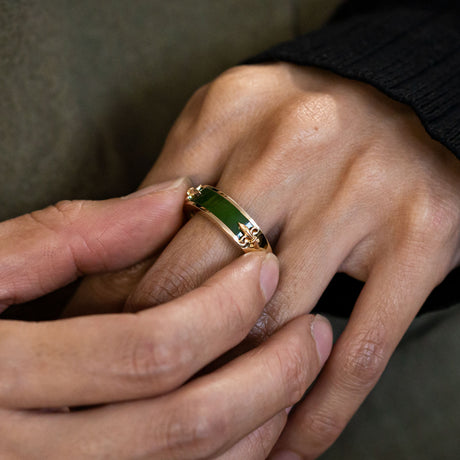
88,92
90,89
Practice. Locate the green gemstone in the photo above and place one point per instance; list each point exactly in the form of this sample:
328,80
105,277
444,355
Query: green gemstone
222,209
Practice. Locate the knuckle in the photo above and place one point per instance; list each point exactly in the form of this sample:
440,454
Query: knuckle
266,325
68,210
212,108
238,77
196,431
431,219
154,357
181,129
239,85
322,430
229,87
307,119
369,174
300,122
62,220
364,360
58,215
271,319
170,282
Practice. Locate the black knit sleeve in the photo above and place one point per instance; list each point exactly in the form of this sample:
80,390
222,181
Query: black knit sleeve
410,50
407,49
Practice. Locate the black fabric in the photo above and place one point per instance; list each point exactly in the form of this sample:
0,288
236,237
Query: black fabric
340,296
409,50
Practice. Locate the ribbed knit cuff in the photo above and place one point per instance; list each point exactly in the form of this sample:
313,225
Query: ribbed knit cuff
412,55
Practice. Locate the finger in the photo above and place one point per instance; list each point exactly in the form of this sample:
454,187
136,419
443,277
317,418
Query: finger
194,149
47,249
106,292
202,419
196,144
311,249
97,359
183,151
202,139
198,250
258,444
211,124
387,305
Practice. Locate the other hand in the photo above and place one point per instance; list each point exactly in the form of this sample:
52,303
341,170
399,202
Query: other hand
341,179
128,370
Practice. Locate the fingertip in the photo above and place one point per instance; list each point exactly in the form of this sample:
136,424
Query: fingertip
268,266
321,331
160,205
269,275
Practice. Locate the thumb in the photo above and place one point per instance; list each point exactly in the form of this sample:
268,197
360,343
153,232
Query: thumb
46,249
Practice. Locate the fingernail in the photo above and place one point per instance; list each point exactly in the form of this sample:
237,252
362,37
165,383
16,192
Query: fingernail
269,275
321,331
161,187
285,455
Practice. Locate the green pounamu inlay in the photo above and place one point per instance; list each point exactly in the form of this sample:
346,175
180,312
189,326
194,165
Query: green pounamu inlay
222,209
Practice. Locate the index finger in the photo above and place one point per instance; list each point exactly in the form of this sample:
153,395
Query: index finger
108,358
46,249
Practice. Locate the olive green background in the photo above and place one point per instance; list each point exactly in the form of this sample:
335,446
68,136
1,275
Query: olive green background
88,90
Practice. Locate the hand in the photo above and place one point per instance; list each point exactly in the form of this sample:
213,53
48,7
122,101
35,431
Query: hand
133,365
340,178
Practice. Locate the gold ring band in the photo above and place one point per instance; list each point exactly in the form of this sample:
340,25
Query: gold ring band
229,215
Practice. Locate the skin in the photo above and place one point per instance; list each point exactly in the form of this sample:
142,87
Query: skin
118,386
341,179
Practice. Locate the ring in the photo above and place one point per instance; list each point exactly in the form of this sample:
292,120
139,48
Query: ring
230,217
